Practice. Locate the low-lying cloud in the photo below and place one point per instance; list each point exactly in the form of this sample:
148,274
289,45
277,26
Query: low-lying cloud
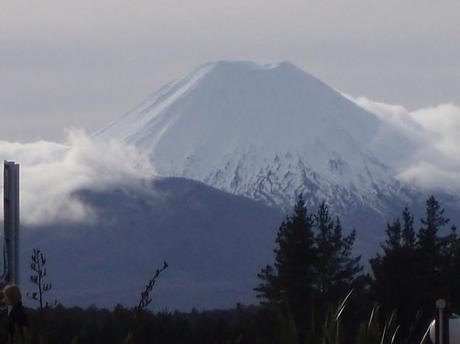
435,163
51,173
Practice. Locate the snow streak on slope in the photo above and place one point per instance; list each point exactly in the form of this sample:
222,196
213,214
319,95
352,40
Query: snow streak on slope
267,132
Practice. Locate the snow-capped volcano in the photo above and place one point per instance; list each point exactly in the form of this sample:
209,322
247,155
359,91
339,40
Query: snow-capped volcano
267,132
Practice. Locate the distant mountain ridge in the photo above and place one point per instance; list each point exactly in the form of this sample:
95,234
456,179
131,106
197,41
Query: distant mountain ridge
269,133
215,244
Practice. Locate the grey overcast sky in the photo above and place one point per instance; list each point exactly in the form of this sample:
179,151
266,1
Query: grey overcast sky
83,63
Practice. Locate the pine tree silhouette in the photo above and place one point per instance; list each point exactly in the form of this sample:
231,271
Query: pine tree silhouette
335,265
314,266
291,280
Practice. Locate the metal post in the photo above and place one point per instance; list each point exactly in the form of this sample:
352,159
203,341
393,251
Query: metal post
11,220
442,322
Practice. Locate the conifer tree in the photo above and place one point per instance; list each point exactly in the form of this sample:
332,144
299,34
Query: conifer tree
385,266
415,265
291,279
431,248
335,267
428,241
408,232
314,265
395,271
268,289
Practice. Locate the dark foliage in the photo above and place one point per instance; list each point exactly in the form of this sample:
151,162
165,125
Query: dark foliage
37,277
291,280
335,267
415,267
314,265
100,326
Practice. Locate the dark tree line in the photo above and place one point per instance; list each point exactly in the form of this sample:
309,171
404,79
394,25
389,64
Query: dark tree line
418,266
314,264
315,267
301,293
75,325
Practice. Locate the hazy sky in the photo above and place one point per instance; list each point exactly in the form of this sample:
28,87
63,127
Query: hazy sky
84,63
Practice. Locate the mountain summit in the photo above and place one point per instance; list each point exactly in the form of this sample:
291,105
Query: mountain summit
269,132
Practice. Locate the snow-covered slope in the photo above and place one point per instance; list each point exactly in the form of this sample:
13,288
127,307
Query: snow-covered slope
267,132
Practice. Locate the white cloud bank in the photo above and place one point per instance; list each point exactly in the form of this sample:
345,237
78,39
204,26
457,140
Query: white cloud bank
52,172
435,163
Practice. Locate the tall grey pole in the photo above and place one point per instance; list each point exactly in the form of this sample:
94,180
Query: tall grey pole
11,220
